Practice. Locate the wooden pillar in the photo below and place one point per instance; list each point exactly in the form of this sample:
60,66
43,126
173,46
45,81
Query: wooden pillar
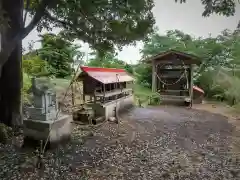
154,76
104,91
83,92
191,83
84,98
95,99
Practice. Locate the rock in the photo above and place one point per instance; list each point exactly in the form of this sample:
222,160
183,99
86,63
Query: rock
6,133
112,119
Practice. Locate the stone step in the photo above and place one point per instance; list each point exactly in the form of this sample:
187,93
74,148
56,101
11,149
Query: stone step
173,100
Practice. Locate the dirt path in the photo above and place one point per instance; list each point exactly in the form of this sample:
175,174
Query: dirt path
150,143
168,143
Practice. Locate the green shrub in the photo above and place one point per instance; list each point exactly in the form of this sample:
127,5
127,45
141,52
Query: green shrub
221,85
145,95
155,99
143,73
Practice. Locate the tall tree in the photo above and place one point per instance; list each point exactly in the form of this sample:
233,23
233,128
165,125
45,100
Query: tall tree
59,54
100,23
108,60
10,71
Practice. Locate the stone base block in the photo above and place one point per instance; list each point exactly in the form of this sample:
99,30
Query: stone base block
108,109
84,116
58,131
40,114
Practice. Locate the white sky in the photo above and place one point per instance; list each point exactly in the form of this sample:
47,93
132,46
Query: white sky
169,16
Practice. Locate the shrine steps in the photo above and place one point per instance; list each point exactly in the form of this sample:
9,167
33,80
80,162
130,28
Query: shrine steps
174,100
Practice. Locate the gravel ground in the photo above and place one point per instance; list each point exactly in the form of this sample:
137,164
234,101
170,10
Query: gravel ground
149,143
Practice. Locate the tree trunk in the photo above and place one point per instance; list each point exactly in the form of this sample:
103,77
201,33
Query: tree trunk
11,75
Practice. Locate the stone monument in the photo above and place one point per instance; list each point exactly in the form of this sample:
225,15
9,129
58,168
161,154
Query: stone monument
45,119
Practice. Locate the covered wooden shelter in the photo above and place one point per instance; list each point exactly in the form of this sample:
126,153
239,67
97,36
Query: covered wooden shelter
172,76
107,90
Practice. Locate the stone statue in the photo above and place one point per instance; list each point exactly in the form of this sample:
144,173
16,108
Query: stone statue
45,122
44,105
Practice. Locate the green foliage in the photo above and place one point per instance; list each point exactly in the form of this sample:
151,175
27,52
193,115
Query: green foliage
227,87
103,24
59,54
220,7
143,73
129,68
110,61
55,58
35,66
144,96
155,99
140,90
219,73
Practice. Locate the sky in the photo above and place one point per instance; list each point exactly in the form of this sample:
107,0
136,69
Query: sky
169,16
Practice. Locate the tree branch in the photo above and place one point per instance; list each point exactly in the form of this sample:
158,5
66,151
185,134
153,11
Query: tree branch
54,19
25,15
9,46
67,25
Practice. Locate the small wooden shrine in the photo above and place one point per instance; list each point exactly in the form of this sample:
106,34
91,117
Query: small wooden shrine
172,76
106,90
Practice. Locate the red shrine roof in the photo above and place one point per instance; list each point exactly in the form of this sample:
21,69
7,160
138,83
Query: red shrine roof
198,89
107,75
99,69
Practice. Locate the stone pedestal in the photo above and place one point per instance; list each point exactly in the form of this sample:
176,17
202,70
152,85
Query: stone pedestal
37,130
42,120
108,109
40,114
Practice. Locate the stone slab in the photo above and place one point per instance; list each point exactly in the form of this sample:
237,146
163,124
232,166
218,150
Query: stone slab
39,130
39,113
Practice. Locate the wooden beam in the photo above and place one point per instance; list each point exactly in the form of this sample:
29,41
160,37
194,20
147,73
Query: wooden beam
104,91
153,76
191,84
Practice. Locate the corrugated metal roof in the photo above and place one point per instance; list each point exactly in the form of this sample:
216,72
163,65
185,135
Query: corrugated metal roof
107,75
100,69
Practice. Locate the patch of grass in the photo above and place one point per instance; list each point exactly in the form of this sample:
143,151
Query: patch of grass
61,84
144,94
141,90
236,108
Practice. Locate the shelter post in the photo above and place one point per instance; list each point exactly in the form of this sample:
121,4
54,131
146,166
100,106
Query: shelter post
153,76
191,83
